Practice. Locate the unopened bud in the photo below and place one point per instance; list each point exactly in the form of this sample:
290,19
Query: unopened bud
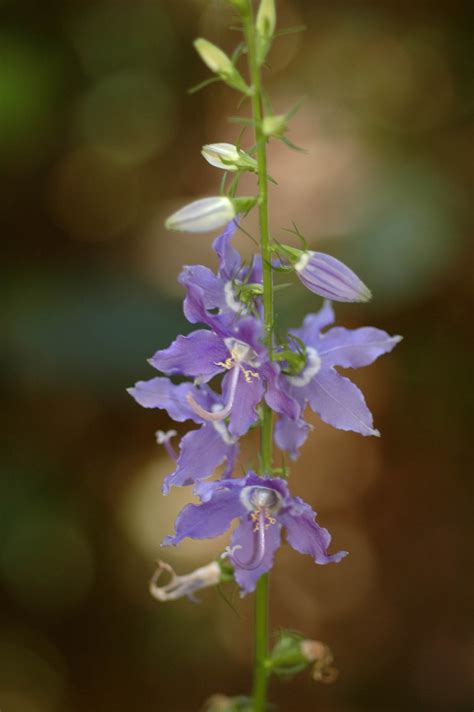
325,275
274,125
203,215
219,63
228,157
265,25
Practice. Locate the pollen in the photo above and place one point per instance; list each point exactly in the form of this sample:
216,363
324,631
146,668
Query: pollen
255,516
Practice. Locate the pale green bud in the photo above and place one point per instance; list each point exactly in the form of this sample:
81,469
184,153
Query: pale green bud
202,215
274,125
228,157
219,63
208,213
265,26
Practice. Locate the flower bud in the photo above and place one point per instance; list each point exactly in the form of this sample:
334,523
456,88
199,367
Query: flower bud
326,276
228,157
219,63
287,657
274,125
203,215
293,653
180,586
265,25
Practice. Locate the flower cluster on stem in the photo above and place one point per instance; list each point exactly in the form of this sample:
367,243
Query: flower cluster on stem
234,376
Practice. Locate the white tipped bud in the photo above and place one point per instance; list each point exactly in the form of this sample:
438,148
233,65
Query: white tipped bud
265,25
202,215
228,157
219,63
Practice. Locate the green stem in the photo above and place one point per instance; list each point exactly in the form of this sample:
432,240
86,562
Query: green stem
261,595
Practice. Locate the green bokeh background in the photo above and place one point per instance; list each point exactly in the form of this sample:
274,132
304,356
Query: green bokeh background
99,141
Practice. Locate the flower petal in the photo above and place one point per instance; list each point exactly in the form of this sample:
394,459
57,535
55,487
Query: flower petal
313,323
201,452
277,394
161,393
193,355
211,286
305,536
245,538
247,396
209,519
229,258
290,435
353,348
339,402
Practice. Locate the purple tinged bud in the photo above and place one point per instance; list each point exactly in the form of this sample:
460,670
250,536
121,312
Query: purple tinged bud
330,278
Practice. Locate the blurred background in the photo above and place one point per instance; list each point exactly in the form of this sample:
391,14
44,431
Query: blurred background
99,141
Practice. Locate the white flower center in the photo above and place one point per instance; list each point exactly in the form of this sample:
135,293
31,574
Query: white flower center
313,365
257,499
231,301
241,352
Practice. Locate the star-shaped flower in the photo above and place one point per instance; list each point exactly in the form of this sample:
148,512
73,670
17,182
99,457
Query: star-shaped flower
333,397
263,506
210,445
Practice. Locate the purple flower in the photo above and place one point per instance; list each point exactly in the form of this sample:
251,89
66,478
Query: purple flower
263,506
210,445
235,349
222,292
335,398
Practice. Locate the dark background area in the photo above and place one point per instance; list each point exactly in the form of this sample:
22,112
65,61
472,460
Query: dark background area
99,141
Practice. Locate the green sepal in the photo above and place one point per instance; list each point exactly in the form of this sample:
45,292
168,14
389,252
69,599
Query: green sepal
286,658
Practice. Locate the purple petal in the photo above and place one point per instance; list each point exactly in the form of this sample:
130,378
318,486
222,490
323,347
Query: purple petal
309,333
201,452
193,355
245,537
248,395
305,536
290,435
229,258
277,395
339,402
353,348
250,330
209,519
162,393
211,286
330,278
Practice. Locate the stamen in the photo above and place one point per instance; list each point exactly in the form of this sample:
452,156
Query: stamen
163,438
259,551
217,414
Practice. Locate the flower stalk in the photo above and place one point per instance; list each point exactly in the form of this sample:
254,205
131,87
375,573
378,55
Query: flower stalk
261,595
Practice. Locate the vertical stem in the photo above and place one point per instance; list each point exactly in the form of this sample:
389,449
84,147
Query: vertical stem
261,595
